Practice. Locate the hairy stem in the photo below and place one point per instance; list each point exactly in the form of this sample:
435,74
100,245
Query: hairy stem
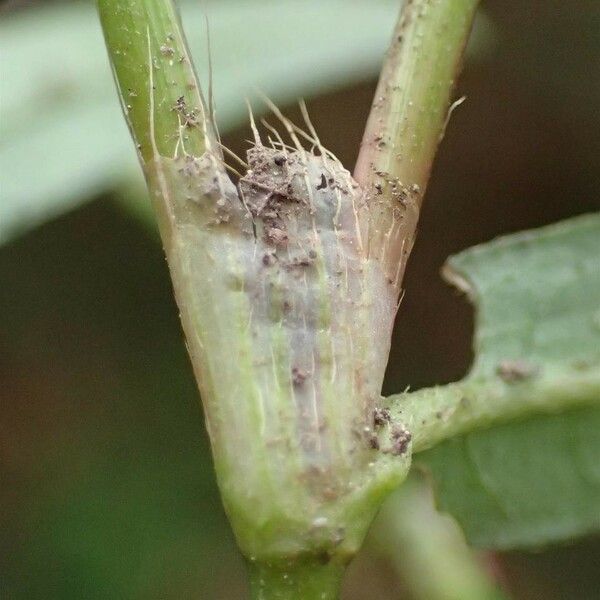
270,278
407,122
440,413
410,109
159,93
287,287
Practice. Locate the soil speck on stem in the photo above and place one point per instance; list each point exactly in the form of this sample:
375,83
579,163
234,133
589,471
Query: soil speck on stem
513,371
381,416
299,376
401,438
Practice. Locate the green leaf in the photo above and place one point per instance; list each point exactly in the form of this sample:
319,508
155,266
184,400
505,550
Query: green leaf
535,481
63,139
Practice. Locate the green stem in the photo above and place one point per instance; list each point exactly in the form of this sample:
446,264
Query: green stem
407,122
288,380
159,93
437,414
266,304
410,108
428,550
307,580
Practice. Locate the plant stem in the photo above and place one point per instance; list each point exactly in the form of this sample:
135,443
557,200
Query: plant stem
437,414
269,298
409,113
407,121
159,93
428,550
296,581
287,301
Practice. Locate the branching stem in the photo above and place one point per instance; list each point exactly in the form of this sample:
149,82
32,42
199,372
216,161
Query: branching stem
287,313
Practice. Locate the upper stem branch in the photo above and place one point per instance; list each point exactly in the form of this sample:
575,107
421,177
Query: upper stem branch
159,93
407,122
410,109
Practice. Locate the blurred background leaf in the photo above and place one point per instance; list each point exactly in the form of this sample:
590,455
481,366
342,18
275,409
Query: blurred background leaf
107,487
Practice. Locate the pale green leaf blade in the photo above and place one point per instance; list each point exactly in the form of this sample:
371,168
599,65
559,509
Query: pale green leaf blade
537,295
533,482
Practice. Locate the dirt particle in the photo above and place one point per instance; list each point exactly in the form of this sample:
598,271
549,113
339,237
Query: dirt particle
513,371
299,376
379,141
374,442
323,183
268,259
179,105
401,438
381,416
300,263
276,236
166,50
189,117
192,167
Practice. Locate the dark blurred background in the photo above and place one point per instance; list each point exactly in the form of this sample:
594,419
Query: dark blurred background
107,484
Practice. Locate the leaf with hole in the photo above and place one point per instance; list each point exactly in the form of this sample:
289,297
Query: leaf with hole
535,481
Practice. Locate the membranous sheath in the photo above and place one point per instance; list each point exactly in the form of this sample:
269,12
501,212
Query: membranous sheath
288,322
